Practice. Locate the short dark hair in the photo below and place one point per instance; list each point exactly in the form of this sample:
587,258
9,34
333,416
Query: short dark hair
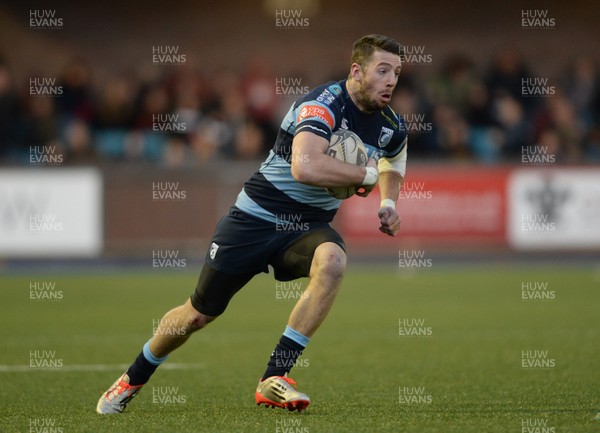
365,46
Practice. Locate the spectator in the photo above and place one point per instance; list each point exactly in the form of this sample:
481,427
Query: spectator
42,126
114,109
258,89
559,115
78,146
451,132
506,74
581,85
76,99
515,130
451,86
249,141
484,133
9,112
406,102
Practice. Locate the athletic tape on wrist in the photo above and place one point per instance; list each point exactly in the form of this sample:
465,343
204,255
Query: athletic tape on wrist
370,176
388,202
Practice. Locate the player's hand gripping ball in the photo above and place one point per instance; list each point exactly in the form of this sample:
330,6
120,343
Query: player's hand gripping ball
347,147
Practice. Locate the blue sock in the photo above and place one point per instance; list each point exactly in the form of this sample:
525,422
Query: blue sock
144,366
286,353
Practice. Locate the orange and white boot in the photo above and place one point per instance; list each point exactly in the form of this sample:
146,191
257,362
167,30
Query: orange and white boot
280,391
118,396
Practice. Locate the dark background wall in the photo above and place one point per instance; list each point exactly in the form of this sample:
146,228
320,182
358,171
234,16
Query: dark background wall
115,35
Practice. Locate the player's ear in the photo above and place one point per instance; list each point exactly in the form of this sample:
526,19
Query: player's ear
356,72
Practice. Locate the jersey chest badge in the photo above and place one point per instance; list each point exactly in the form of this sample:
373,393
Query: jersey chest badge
385,136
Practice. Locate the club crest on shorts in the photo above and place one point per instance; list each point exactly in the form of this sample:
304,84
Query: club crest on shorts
213,250
385,136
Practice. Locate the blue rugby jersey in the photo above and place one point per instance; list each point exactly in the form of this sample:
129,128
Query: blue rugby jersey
272,191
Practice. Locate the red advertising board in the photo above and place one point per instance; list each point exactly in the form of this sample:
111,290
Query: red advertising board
438,205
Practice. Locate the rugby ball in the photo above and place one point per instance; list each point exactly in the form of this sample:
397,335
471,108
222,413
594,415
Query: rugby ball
347,147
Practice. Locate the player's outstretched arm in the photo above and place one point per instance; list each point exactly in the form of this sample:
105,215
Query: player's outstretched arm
390,183
311,166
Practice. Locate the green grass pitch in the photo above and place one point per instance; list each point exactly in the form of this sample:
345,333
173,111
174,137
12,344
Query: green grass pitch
464,373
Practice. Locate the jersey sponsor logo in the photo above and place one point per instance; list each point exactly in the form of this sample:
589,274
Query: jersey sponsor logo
315,111
336,89
344,124
326,97
385,136
213,250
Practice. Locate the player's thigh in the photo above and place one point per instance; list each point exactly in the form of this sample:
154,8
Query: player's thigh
238,245
236,254
296,259
215,289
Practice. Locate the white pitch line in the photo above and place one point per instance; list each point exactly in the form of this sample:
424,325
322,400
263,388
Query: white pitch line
94,367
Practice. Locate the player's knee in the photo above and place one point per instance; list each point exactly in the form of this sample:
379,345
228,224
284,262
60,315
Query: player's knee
330,259
196,320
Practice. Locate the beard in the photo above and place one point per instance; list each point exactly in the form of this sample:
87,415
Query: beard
365,100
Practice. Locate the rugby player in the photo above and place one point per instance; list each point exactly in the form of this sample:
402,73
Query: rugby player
292,182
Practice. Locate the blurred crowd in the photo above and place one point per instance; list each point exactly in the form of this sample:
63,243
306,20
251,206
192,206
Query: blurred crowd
455,109
505,110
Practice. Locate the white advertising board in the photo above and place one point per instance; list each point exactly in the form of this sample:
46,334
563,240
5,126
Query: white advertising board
554,208
51,212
